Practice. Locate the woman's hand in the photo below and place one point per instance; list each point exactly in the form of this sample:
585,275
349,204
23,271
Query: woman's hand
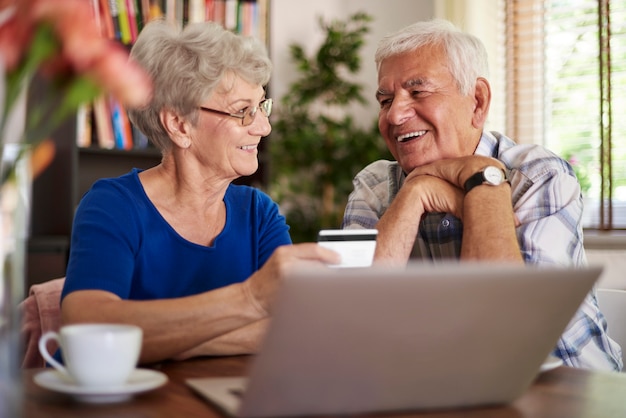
262,286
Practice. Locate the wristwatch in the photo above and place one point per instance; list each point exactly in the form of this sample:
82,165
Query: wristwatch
490,175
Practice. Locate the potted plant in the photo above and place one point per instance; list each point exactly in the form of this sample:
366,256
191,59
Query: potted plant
316,148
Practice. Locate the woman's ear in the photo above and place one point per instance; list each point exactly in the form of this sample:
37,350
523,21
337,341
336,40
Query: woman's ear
176,127
482,97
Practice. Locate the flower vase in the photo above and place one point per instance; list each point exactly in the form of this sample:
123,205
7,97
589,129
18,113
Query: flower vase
15,197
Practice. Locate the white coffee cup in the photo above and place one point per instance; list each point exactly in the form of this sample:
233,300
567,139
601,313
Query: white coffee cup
101,355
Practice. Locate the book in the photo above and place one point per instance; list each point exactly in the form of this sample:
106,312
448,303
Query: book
122,15
208,7
106,21
170,12
219,11
262,13
102,119
247,22
97,14
84,125
145,15
230,15
197,11
122,131
132,9
156,9
115,20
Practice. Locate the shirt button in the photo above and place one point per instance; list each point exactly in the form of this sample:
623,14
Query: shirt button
445,223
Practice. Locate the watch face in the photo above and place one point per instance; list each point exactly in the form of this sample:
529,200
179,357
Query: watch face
493,175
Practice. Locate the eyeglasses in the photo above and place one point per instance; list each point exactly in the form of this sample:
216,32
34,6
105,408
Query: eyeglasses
246,116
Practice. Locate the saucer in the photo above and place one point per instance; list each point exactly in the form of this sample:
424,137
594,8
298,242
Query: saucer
551,362
140,380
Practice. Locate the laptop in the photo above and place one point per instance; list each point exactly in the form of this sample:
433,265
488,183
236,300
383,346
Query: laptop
424,337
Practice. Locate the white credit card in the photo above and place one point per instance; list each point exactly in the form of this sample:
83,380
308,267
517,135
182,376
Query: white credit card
356,246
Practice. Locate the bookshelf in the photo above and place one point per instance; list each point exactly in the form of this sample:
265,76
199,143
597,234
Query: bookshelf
82,156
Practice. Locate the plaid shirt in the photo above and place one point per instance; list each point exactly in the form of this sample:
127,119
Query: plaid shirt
547,201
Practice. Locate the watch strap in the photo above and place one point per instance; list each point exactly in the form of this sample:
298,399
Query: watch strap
478,178
475,179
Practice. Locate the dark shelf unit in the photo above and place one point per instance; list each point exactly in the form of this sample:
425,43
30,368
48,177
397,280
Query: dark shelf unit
95,163
57,191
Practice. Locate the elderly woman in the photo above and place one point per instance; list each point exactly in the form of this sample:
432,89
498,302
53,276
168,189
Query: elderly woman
178,249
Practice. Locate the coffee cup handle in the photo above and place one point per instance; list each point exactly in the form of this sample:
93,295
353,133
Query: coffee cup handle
43,349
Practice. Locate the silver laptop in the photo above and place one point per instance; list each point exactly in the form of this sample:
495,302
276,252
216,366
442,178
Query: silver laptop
346,341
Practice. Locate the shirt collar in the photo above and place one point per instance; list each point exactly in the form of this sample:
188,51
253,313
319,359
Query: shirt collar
488,145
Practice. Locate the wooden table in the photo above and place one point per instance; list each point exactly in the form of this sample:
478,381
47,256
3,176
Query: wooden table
562,392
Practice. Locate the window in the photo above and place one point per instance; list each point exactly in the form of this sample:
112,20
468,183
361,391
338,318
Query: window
566,89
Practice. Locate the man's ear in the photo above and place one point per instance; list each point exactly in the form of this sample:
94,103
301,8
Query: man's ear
176,127
482,97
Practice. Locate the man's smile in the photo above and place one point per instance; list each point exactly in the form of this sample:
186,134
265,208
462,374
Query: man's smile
409,136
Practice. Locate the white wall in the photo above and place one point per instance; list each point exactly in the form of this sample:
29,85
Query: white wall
296,21
485,20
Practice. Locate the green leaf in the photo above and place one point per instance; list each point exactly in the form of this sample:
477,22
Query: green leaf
79,91
44,45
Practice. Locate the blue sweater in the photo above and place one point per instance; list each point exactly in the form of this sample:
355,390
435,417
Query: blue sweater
120,243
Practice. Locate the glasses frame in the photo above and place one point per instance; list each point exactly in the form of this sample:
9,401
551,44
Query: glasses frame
247,118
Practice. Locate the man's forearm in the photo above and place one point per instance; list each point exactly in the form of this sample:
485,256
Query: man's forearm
397,229
489,225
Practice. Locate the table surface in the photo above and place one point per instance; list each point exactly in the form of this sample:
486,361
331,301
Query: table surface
562,392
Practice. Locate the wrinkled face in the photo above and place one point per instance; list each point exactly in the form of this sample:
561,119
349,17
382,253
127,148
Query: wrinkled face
423,117
225,146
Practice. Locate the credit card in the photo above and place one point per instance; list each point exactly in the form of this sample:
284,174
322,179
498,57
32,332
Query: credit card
356,246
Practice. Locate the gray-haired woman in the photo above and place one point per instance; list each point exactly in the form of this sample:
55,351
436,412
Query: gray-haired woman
178,249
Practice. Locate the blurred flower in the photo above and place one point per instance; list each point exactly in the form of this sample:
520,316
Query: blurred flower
61,41
581,169
573,160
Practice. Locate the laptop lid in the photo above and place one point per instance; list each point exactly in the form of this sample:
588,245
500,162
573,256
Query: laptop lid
346,341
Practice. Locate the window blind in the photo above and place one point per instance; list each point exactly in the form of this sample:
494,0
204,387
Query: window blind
566,75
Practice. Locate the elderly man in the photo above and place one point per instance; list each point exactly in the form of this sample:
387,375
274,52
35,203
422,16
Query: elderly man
457,191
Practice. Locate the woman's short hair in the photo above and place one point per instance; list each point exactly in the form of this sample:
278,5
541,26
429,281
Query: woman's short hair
466,54
187,65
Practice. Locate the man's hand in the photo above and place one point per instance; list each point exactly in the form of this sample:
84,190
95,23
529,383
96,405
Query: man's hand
456,170
434,194
488,232
488,219
397,228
